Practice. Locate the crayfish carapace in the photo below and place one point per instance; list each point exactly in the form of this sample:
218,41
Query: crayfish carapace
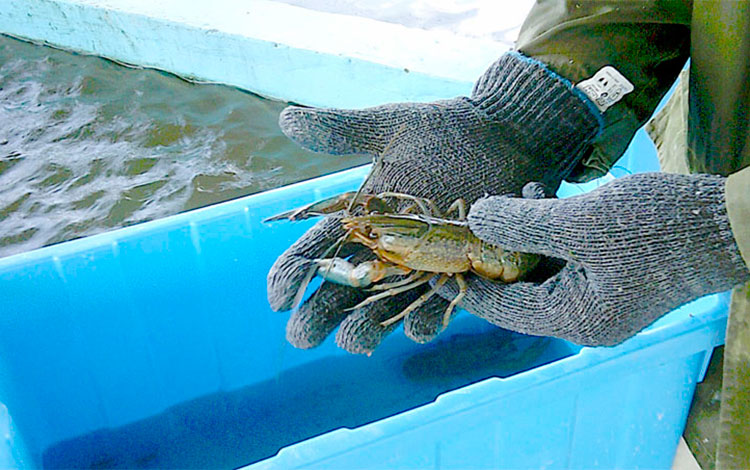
415,241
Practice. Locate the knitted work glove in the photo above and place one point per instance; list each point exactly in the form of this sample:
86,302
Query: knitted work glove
635,249
521,123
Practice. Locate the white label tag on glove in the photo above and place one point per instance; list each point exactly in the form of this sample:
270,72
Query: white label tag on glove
606,87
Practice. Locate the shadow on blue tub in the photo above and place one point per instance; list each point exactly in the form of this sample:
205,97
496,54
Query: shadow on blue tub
230,429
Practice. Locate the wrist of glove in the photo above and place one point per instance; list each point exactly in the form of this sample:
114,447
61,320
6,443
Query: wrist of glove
634,250
521,123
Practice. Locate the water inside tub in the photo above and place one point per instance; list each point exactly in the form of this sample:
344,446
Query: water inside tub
233,428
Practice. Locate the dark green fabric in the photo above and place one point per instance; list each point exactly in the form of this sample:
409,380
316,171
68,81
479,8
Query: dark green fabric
733,448
719,123
647,41
701,429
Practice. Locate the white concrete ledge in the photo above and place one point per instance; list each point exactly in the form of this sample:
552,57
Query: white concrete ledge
273,49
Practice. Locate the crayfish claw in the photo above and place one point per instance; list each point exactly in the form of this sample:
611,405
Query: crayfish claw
341,271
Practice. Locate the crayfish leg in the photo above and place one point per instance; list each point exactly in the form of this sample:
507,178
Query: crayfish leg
392,292
422,299
461,294
391,285
459,205
421,203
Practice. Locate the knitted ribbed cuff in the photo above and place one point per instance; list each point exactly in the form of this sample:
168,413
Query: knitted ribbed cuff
547,113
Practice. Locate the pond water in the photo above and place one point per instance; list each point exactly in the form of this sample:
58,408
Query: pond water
87,145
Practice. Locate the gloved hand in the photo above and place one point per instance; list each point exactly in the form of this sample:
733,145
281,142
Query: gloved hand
635,249
521,123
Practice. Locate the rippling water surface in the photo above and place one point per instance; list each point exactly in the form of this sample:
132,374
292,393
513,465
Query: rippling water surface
87,145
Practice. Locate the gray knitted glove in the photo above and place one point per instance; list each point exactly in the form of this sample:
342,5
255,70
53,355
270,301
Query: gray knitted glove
635,248
521,123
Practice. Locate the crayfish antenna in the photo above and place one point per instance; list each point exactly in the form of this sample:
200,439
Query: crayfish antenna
338,245
375,166
303,285
314,269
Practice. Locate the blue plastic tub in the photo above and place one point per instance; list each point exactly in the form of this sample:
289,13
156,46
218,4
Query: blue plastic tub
154,346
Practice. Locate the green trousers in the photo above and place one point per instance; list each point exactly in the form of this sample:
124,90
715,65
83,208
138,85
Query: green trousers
718,427
704,128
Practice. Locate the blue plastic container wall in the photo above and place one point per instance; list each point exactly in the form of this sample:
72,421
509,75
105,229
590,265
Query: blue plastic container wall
154,346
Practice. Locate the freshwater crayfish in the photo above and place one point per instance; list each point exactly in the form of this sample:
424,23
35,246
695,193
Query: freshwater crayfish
417,242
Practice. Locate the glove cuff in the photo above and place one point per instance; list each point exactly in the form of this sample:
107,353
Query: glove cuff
546,114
